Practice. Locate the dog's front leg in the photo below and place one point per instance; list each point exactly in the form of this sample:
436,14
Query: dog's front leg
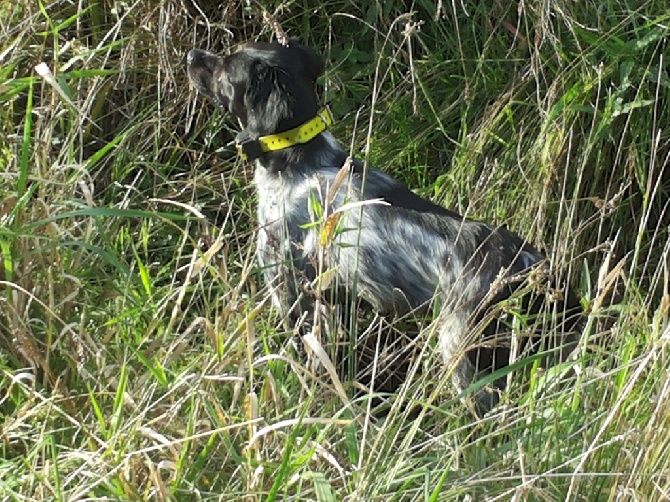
454,326
291,287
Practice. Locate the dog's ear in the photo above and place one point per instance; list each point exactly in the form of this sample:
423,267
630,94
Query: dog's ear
276,95
265,97
312,62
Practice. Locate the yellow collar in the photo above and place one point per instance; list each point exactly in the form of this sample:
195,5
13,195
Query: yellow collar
250,149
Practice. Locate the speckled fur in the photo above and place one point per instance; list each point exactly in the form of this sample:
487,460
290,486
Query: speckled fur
398,255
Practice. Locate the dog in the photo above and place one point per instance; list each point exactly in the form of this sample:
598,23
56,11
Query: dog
330,226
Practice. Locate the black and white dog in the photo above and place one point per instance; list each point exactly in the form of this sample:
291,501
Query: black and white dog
376,239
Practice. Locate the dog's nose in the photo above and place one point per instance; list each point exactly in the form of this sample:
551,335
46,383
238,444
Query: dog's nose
194,56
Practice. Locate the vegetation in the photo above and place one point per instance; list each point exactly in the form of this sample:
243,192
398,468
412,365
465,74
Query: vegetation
139,357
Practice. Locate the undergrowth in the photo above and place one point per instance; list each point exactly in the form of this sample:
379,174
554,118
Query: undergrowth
140,357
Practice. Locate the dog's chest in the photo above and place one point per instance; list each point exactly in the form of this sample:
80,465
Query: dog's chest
283,216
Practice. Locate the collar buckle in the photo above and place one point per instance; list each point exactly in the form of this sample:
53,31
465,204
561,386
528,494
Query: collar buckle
248,148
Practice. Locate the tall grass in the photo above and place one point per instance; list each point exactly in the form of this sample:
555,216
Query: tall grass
140,358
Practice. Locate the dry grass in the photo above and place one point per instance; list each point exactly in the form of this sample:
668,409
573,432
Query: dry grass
139,357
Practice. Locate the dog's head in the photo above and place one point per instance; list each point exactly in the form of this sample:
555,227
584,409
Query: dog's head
267,86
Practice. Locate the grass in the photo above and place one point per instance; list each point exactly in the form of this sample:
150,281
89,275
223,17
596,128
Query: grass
140,358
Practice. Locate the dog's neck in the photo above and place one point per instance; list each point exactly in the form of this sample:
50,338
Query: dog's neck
321,152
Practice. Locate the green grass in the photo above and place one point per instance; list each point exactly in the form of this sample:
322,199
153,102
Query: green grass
139,356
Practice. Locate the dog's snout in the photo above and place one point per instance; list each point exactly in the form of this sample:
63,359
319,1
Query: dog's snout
204,69
194,56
